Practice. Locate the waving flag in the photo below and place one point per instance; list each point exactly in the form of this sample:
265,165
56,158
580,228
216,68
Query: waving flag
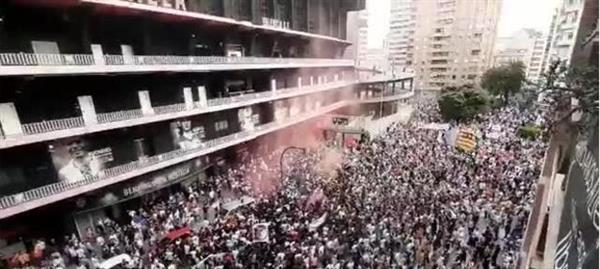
466,140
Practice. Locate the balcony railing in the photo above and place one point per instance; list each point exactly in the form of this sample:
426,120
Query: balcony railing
55,188
169,108
147,163
119,115
28,59
52,125
41,131
33,59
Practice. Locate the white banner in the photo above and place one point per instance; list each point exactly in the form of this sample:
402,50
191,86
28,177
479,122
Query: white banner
261,232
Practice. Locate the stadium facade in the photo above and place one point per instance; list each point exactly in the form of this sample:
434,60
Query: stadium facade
106,102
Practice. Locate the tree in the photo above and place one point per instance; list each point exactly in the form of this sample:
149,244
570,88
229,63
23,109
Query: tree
569,91
462,105
504,81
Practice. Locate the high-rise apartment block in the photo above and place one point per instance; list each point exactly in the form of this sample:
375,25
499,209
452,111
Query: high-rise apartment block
358,34
526,46
446,42
563,32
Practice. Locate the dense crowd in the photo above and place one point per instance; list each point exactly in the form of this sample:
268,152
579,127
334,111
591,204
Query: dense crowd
403,200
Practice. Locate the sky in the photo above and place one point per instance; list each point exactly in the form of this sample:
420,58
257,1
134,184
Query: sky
516,14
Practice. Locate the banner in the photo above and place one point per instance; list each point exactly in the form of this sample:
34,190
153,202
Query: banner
75,162
261,232
185,136
245,200
466,140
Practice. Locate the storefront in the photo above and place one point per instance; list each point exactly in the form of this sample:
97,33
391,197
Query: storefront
115,201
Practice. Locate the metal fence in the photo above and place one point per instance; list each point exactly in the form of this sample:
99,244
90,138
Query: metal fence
28,59
52,125
119,115
55,188
51,189
169,108
32,59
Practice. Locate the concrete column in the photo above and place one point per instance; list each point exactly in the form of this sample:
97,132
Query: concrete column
88,111
9,120
202,100
145,103
273,85
403,86
299,83
98,54
312,81
335,77
188,98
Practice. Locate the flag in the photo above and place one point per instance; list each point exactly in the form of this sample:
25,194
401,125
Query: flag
466,140
318,222
450,136
316,196
261,232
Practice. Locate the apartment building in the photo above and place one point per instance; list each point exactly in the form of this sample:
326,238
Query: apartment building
446,42
401,34
564,30
526,46
358,35
104,103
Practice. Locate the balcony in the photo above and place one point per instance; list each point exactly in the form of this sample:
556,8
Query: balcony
387,96
61,128
24,201
12,64
17,203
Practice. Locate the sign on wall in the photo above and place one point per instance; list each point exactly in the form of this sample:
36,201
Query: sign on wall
185,136
175,4
75,162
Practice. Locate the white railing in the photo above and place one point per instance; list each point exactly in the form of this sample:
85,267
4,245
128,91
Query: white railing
47,190
52,125
169,108
116,116
27,59
33,59
119,115
55,188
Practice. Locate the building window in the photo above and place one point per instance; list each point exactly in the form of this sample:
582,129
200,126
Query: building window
475,52
439,61
221,125
471,76
477,35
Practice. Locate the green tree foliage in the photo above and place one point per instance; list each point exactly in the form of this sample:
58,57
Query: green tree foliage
504,81
567,91
462,105
530,132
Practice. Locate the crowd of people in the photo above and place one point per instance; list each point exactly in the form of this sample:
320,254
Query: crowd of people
404,199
